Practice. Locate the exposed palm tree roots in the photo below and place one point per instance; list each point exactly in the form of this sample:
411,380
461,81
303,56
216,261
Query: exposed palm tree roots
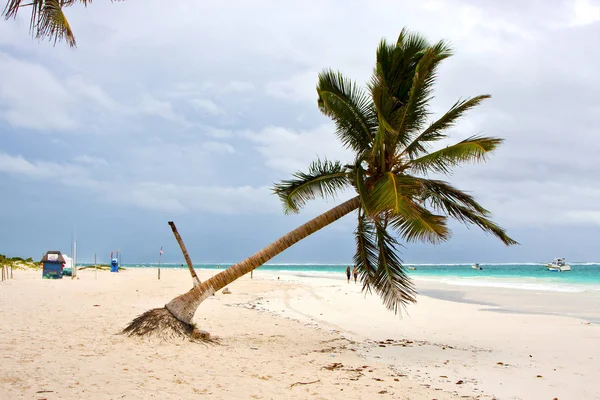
161,324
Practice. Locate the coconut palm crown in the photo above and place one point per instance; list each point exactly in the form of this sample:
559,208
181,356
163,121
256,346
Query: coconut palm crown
387,128
48,20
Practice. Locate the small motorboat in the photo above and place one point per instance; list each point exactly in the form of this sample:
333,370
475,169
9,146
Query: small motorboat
558,265
476,266
412,268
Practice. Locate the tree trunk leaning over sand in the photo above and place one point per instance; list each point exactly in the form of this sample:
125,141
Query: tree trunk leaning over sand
184,306
185,254
175,319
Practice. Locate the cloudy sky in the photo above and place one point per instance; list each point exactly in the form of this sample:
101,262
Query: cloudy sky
189,110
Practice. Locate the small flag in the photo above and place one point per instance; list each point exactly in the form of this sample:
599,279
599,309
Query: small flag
160,253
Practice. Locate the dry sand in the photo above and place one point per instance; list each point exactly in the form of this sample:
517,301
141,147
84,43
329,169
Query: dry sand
290,338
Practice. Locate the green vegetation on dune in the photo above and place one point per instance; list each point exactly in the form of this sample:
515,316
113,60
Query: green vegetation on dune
28,263
19,262
99,266
102,267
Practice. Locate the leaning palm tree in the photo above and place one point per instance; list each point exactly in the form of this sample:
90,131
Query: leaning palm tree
48,20
395,197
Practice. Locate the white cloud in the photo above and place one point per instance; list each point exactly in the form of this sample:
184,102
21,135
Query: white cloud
59,172
218,133
213,199
91,160
585,12
189,89
18,165
218,147
240,86
148,195
32,97
90,91
207,106
37,98
525,202
297,88
164,109
288,150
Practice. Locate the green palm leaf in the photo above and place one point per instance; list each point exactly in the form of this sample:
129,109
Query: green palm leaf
47,18
366,256
53,24
396,63
463,207
473,149
396,196
440,194
324,179
391,192
468,216
421,225
391,282
358,181
415,112
435,131
344,102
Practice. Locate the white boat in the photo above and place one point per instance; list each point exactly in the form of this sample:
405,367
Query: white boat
558,265
476,266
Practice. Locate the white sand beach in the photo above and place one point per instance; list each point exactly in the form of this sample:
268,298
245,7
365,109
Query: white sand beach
293,338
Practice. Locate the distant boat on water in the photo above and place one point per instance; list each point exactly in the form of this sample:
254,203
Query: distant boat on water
476,266
558,265
413,268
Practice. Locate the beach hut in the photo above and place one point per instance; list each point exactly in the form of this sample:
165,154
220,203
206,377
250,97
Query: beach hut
53,263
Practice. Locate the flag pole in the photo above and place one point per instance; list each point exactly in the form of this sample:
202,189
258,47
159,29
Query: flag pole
159,256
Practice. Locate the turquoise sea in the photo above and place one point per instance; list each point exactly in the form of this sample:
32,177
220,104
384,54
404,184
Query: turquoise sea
527,276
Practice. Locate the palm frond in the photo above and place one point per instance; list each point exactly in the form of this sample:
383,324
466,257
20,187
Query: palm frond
462,207
349,107
415,112
396,63
396,196
391,282
13,6
392,192
366,256
47,18
435,131
358,181
323,179
52,23
472,149
419,224
387,117
441,194
484,223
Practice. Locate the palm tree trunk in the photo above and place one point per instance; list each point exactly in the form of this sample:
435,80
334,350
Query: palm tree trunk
185,254
184,306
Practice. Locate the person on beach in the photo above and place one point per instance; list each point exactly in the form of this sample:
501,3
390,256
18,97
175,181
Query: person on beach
348,273
355,273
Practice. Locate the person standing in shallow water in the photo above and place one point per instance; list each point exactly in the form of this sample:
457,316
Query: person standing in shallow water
348,273
355,273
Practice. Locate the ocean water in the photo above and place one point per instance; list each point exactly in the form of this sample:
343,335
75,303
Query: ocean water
583,277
